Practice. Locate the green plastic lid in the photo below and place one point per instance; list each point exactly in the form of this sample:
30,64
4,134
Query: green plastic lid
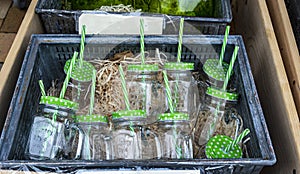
83,74
91,118
215,148
129,113
58,102
179,66
177,116
212,69
147,67
222,94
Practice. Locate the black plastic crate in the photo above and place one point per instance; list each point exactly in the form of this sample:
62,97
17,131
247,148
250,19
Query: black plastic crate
45,59
293,8
58,21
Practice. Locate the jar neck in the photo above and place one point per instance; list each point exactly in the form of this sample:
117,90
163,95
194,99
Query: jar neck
59,111
127,121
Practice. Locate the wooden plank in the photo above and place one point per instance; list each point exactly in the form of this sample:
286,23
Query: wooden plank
11,67
1,21
13,20
8,39
271,81
287,45
4,6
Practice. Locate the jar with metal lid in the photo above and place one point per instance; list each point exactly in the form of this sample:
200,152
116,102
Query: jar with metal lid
145,90
184,89
53,129
97,137
215,103
175,135
130,140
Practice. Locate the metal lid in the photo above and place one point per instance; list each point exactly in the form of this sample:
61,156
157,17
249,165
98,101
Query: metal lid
147,67
212,69
128,113
83,74
91,118
215,148
177,116
179,66
58,102
222,94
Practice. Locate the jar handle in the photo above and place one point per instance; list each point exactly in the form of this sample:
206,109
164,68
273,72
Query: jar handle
157,143
80,140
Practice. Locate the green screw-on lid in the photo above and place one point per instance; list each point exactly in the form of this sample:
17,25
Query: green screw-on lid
58,102
212,69
179,66
215,148
222,94
83,74
147,67
128,113
173,116
91,118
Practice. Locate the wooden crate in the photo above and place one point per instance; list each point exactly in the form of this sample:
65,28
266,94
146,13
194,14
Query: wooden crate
251,19
12,65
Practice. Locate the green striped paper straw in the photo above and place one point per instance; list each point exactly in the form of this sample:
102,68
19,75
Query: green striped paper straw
93,87
180,40
237,140
82,45
224,45
42,87
230,68
68,76
168,91
123,82
142,40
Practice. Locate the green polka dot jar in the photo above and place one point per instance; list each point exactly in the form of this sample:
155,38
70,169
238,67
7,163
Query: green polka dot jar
183,87
145,90
47,135
175,136
215,103
97,137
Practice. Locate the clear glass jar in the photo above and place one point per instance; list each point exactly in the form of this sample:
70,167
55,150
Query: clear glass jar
52,129
215,104
97,137
130,140
216,73
184,89
145,90
175,135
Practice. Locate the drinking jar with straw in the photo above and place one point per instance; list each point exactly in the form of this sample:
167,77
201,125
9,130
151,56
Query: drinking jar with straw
216,100
129,136
51,124
97,135
174,130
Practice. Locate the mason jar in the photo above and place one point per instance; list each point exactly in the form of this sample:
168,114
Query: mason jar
145,90
175,135
130,140
97,137
215,104
53,130
184,89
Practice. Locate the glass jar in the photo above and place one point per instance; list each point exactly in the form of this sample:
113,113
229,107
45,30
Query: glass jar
214,106
97,138
184,89
145,90
175,135
130,140
52,130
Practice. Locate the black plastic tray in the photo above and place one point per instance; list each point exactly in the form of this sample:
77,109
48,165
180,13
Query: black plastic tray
45,58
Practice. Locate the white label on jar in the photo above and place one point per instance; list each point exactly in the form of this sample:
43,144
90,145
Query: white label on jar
42,138
119,24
